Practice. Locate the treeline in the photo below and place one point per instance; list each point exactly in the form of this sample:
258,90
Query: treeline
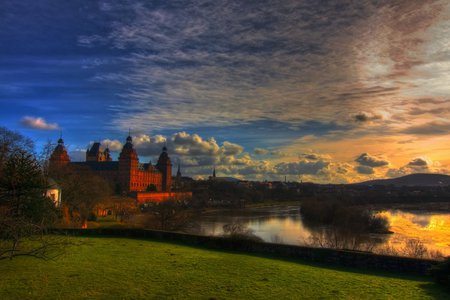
236,194
232,194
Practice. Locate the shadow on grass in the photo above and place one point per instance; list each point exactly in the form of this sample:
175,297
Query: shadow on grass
430,288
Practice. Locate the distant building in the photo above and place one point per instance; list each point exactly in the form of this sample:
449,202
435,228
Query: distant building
126,175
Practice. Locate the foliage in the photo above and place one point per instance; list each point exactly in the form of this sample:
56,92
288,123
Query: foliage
25,211
83,190
11,142
96,269
441,273
169,215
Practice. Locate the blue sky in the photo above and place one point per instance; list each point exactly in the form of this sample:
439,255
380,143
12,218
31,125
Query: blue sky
259,89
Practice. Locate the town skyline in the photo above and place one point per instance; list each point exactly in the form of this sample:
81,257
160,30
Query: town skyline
337,92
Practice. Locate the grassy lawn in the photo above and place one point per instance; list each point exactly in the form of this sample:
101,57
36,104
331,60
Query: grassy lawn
112,268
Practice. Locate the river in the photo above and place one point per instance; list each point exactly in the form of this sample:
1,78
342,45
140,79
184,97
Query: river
283,224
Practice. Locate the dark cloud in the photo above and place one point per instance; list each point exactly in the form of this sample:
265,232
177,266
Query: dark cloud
311,156
418,162
364,117
365,159
366,170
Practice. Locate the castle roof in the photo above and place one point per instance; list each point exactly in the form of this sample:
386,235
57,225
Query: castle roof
95,149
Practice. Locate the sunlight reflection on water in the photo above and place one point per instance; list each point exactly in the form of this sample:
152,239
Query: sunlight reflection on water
285,225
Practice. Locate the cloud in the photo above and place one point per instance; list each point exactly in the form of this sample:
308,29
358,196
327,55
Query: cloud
232,149
260,151
365,159
434,111
366,170
198,156
201,61
38,123
77,155
417,165
190,149
113,145
278,153
302,167
430,128
418,162
364,117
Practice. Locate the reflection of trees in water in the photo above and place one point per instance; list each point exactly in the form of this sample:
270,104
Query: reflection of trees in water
342,238
339,225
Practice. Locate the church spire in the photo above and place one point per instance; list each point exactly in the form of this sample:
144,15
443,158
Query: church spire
178,171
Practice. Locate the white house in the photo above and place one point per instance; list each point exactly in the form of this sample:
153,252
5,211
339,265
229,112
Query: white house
54,192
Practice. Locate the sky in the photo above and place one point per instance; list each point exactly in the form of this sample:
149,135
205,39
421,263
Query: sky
324,91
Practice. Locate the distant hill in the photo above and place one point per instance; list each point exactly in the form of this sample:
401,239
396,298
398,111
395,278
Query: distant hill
420,179
228,179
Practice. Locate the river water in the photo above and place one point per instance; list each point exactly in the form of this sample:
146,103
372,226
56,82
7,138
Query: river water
283,224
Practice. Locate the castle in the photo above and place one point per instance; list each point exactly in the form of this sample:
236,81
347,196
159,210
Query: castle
127,175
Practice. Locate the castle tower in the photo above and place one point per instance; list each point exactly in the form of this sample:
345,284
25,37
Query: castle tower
164,165
59,156
96,153
128,166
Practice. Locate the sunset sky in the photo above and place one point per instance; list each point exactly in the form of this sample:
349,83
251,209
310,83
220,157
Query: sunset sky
323,91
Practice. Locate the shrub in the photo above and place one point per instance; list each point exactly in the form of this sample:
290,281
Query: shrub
239,232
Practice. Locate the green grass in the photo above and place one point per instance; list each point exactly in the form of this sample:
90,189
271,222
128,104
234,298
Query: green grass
114,268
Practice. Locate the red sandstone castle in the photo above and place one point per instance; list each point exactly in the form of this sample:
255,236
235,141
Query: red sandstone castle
126,175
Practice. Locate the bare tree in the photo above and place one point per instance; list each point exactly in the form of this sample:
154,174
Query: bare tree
44,156
414,248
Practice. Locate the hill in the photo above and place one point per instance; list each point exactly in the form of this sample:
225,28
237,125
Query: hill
419,179
116,268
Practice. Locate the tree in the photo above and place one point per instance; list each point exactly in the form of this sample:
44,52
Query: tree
169,215
25,211
82,190
44,157
10,142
